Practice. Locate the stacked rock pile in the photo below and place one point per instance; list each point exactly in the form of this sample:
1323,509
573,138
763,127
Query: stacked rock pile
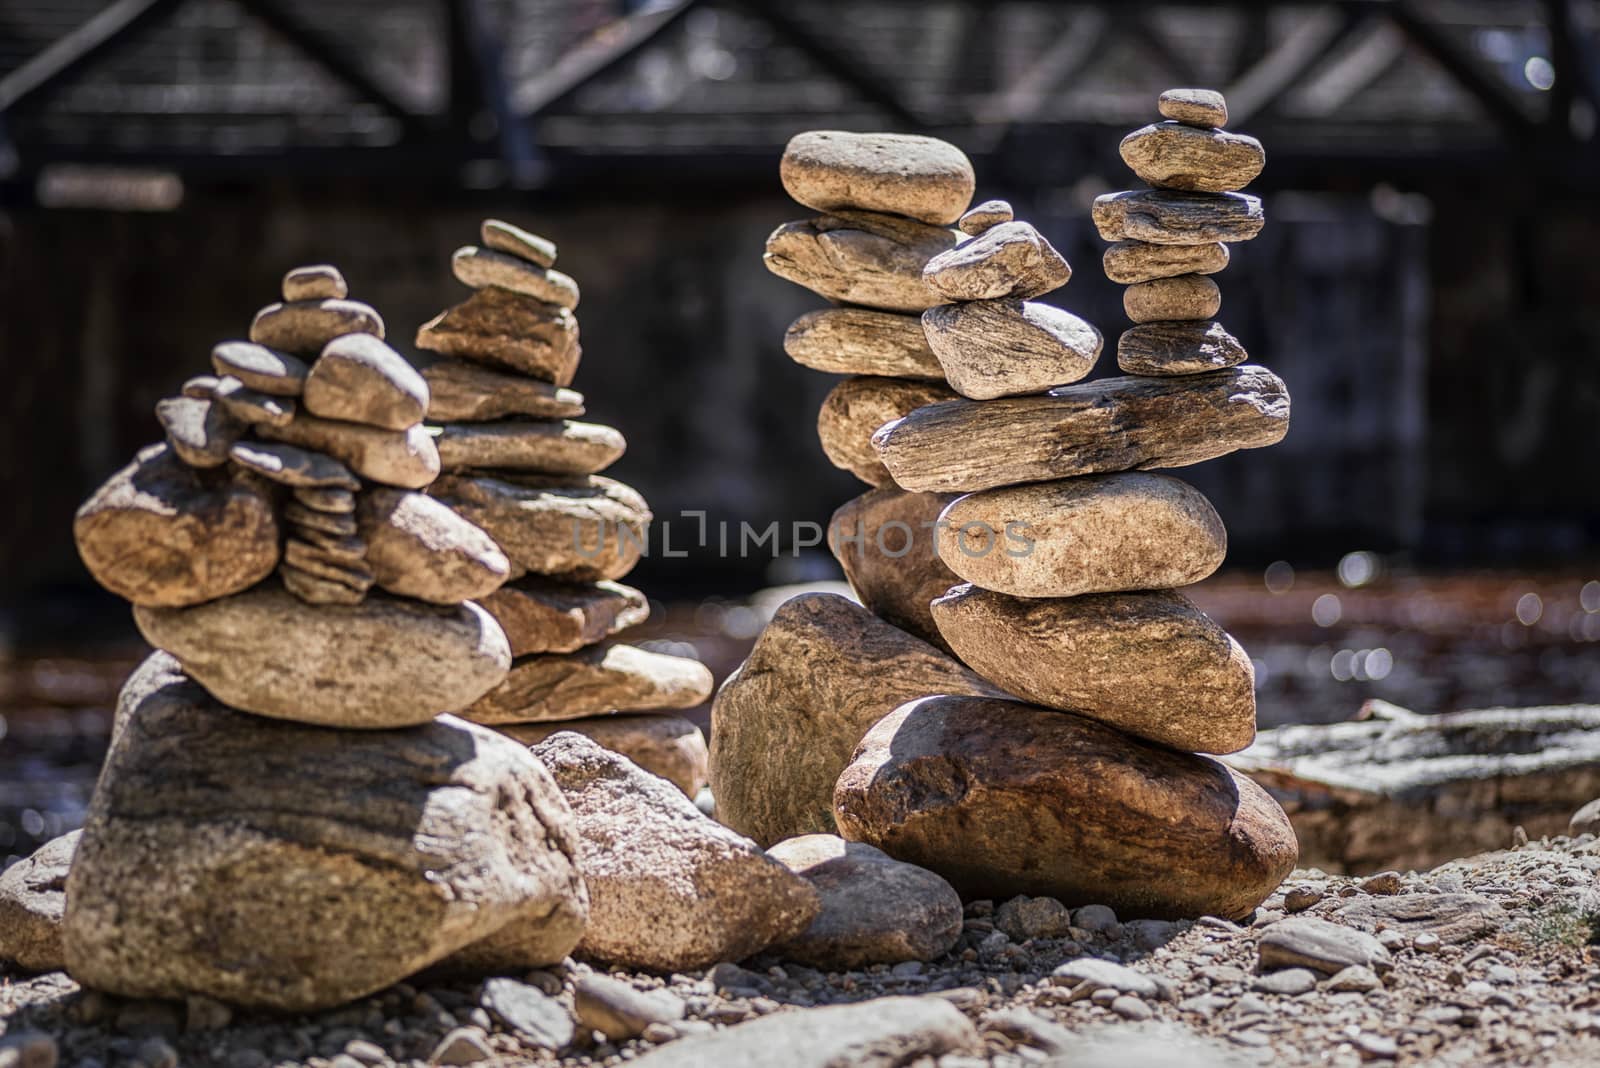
520,464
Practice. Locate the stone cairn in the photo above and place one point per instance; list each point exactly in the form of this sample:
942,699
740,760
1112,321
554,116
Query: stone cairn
1057,752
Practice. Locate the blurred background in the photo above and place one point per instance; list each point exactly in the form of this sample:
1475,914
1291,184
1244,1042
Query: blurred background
1427,285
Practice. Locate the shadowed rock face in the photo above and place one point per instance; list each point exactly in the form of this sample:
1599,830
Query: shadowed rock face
33,896
860,257
886,544
857,407
1004,799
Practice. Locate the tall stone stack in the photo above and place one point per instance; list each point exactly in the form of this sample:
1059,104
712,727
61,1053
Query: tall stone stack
520,464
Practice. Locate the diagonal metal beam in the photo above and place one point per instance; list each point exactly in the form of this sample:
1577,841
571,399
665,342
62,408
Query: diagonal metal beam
51,69
1259,87
1022,97
474,45
581,65
1495,99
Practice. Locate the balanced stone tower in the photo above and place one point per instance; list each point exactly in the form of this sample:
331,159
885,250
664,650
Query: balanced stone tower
520,464
1058,757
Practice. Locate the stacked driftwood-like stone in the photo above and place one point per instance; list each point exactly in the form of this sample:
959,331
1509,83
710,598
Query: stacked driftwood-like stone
1033,492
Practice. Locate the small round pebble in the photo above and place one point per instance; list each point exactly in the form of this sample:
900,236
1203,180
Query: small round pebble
988,214
1194,107
1299,898
1131,1008
1426,942
320,281
1385,882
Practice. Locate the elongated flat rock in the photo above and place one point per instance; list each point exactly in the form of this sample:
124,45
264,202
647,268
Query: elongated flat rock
1114,424
1129,262
785,723
515,241
540,615
360,379
1150,664
1183,297
1174,155
320,281
418,547
669,747
549,447
1004,348
1172,217
251,406
903,174
404,458
507,330
857,407
1204,108
1004,799
885,542
481,267
290,465
985,216
463,392
600,679
1011,259
860,258
1178,348
1095,534
259,367
302,327
860,341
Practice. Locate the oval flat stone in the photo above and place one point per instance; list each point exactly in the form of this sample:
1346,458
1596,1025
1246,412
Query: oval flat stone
360,379
303,327
388,662
551,447
593,681
292,466
884,541
507,330
259,367
515,241
669,747
1173,217
1002,348
338,524
903,174
200,431
860,341
1150,664
313,559
462,392
989,214
251,406
1010,259
540,615
860,258
1128,262
1187,296
321,281
1055,805
315,589
418,547
329,499
480,267
1178,348
407,459
1197,107
1172,155
858,406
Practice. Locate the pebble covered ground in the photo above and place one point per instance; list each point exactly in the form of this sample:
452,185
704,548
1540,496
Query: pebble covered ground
1485,960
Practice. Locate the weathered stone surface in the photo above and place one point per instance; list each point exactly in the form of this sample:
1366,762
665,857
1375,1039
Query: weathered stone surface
1173,217
1179,348
1002,348
515,241
321,281
480,267
670,889
1025,917
251,406
540,615
881,1033
1057,805
1197,107
885,542
405,458
33,896
668,746
858,406
462,392
575,529
499,328
1114,424
1174,155
1309,942
860,258
989,214
875,909
1454,918
159,533
537,1018
293,466
860,341
596,680
200,431
902,174
1129,262
1010,259
418,547
318,589
341,564
303,327
360,379
385,663
551,447
389,849
785,723
1149,663
338,524
344,547
1096,534
1186,296
619,1010
332,500
259,367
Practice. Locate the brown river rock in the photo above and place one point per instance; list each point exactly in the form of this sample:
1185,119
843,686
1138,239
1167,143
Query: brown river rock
544,446
667,746
463,392
861,341
885,541
416,546
1012,259
1178,348
1127,262
1174,155
1004,799
1172,217
509,331
593,681
860,257
999,348
903,174
405,458
856,407
540,615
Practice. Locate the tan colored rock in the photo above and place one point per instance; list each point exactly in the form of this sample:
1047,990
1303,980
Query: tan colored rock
1187,297
303,327
418,547
1150,664
668,746
291,466
390,850
321,281
359,379
388,662
875,909
885,542
860,341
251,406
592,681
346,548
332,500
902,174
785,723
985,216
462,392
1178,348
158,533
1002,348
620,1010
858,406
1095,534
1173,155
670,889
33,896
574,529
345,567
551,447
1197,107
861,258
1008,260
1128,262
481,267
405,458
338,524
1113,424
1060,806
1172,217
515,241
540,615
511,331
317,589
200,431
259,367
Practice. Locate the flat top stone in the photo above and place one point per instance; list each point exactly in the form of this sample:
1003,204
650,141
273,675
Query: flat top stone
1100,974
261,368
1177,156
921,177
293,466
860,257
480,267
1197,107
304,326
515,241
989,214
1177,217
1329,948
321,281
461,391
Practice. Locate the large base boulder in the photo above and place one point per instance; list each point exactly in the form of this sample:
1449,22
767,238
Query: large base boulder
33,895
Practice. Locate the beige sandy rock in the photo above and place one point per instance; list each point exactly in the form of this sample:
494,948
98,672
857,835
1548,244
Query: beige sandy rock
592,681
861,258
321,281
1186,296
860,341
1197,107
1172,217
33,896
510,331
418,547
1181,348
515,241
359,379
481,267
462,392
405,458
858,406
259,367
540,615
985,216
1002,348
886,544
1173,155
303,327
903,174
551,447
1128,262
668,746
1010,259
